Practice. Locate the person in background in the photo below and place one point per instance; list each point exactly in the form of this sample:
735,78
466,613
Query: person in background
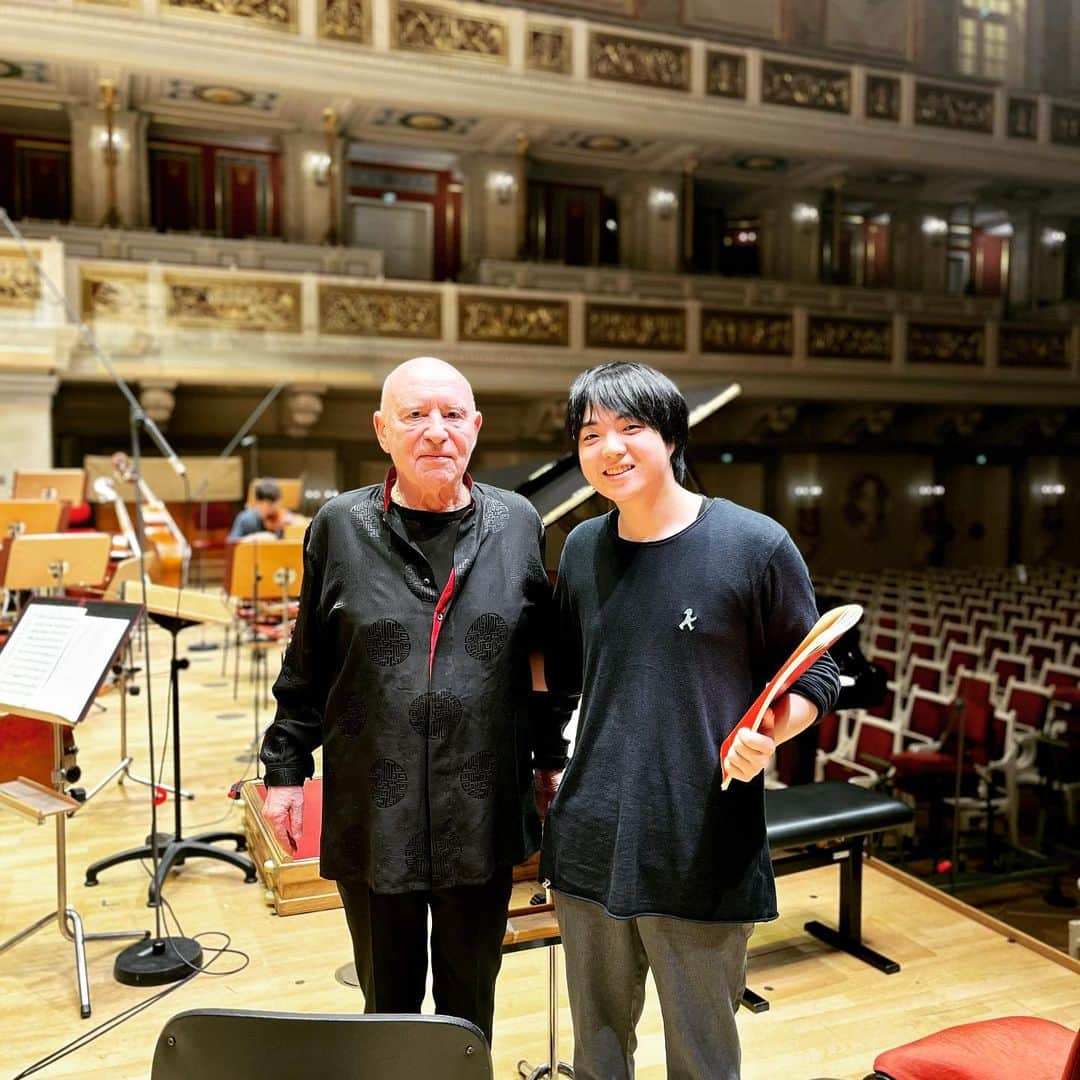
266,516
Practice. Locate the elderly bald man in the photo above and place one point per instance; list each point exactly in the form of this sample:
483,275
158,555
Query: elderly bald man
411,664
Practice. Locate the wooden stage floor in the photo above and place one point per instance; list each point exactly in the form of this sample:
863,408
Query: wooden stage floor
830,1013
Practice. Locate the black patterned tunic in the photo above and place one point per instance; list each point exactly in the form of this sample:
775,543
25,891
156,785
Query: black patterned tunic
419,698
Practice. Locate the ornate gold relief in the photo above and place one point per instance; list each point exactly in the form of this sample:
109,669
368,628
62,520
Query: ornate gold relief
938,343
549,49
745,332
806,87
948,107
850,339
19,284
113,294
427,28
274,14
634,60
882,97
232,304
1034,348
357,311
345,20
1065,125
1023,122
618,326
725,74
514,322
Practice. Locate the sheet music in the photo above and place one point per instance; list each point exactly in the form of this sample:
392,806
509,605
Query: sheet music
32,655
53,664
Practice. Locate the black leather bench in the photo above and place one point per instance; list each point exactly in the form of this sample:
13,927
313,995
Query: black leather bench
827,824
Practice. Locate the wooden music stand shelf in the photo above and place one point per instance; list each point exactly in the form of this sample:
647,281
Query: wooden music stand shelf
67,559
36,801
66,484
21,516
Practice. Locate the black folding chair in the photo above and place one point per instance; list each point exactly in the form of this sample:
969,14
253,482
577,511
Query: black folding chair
240,1044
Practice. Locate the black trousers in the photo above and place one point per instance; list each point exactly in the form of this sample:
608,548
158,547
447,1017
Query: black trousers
389,938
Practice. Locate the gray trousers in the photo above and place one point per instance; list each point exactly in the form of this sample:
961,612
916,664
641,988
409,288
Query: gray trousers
700,973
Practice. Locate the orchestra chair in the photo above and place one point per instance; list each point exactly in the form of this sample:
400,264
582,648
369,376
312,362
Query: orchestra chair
926,675
1047,619
1041,651
1006,1048
926,648
1022,629
1006,666
953,634
959,658
865,760
992,641
1069,636
241,1044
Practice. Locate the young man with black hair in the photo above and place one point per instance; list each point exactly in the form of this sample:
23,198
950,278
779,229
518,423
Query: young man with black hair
672,611
266,516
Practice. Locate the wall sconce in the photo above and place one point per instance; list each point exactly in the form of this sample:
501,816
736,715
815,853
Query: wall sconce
114,139
1054,239
805,214
807,491
503,184
934,227
1004,229
930,491
1051,491
663,202
318,167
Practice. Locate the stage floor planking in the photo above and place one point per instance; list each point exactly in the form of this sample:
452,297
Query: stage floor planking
830,1013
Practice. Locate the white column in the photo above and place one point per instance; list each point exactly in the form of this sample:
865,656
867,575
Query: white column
306,197
89,197
651,221
25,424
491,194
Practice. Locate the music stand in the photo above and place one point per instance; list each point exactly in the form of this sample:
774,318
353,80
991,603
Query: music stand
19,516
78,673
66,558
175,610
65,484
254,569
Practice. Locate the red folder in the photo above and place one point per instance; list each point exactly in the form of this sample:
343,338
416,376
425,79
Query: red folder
825,633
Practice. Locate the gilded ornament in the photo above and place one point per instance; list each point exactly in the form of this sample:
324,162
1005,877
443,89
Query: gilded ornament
1022,118
745,332
726,75
615,326
1034,348
427,28
514,322
233,305
19,284
936,343
633,60
358,311
345,20
948,107
850,339
115,295
549,49
882,97
278,14
806,87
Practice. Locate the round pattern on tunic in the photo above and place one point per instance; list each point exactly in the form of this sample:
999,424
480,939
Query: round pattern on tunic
478,774
389,782
367,517
432,858
485,639
387,642
435,714
496,514
420,586
353,714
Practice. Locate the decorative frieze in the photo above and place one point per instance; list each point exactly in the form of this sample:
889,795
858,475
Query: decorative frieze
619,326
849,339
113,294
805,87
270,14
345,20
635,60
1023,118
1065,125
549,49
19,284
196,302
883,97
950,107
359,311
432,29
746,332
514,322
941,343
1023,347
725,74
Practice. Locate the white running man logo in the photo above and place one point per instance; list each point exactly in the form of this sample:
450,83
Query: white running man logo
689,618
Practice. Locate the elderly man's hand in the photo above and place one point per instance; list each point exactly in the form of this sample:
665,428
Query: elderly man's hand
545,784
284,810
751,750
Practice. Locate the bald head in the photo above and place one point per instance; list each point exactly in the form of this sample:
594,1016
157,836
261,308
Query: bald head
422,371
427,422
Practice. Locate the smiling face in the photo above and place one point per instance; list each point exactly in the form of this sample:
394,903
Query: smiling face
428,424
623,458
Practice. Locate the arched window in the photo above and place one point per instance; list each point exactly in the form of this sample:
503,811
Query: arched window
991,39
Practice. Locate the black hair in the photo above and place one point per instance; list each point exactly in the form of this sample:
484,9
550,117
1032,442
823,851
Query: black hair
267,489
638,392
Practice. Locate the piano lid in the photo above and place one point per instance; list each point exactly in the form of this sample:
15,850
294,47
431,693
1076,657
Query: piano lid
558,487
